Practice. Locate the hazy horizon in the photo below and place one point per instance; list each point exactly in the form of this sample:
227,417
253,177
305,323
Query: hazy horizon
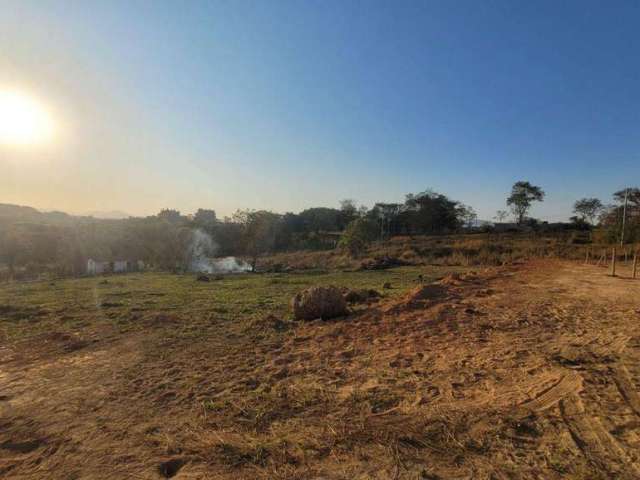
289,105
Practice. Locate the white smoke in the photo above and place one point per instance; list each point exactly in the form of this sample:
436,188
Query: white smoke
228,265
202,251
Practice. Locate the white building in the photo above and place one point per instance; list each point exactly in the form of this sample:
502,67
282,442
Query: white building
97,267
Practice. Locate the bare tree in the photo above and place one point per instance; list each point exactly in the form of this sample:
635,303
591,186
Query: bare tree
501,215
468,215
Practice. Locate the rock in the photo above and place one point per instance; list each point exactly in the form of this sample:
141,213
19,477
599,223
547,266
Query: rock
203,278
319,302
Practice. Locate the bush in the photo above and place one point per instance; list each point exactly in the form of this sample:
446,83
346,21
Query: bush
358,235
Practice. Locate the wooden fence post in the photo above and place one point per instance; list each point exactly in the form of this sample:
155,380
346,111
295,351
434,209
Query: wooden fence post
635,264
613,262
603,258
586,258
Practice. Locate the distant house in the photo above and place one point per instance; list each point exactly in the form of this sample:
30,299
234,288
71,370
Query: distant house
97,267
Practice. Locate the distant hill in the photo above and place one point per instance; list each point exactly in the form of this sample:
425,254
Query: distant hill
108,215
22,214
8,210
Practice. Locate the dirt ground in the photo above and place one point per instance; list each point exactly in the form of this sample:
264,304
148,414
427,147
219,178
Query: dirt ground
530,371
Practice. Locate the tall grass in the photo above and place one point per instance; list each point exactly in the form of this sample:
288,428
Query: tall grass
460,250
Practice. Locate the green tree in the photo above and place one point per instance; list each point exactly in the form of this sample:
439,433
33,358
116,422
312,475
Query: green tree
358,234
259,232
632,194
523,194
429,212
587,209
348,212
320,219
385,214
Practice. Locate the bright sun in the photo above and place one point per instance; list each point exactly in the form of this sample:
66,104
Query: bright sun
24,121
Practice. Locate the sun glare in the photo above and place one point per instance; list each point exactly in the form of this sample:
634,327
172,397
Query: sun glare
24,121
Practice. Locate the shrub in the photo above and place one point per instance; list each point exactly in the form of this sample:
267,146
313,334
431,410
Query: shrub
358,235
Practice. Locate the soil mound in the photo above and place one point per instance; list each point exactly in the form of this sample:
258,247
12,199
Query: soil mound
360,296
380,263
456,279
425,292
421,296
319,302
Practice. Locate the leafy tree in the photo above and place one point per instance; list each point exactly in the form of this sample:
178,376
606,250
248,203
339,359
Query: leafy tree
587,209
229,236
321,219
523,194
205,218
386,214
613,217
348,212
632,194
429,212
358,234
171,216
260,229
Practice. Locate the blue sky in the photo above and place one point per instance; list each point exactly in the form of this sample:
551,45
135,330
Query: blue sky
285,105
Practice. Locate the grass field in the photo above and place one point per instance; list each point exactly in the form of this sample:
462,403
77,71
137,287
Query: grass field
126,302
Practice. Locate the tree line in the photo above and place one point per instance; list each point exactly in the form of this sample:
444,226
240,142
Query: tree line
32,241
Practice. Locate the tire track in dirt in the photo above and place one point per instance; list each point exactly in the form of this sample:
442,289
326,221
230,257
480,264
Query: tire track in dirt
597,445
623,381
569,384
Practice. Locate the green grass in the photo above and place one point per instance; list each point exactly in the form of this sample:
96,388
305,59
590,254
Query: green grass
129,302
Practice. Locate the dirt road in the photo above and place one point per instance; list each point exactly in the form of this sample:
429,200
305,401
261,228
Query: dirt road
521,372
